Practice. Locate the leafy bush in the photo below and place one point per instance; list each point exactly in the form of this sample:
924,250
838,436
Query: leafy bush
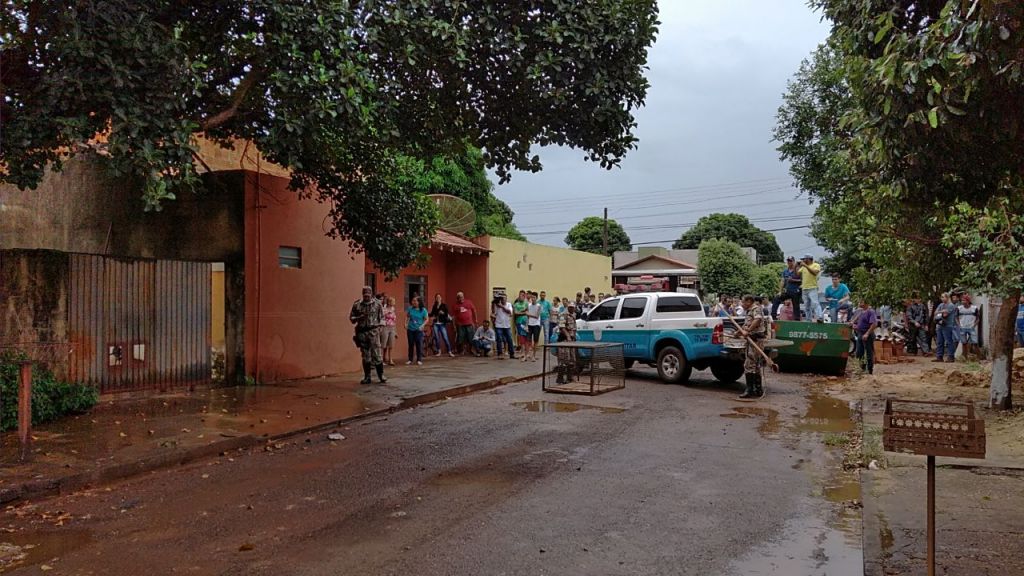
51,398
724,268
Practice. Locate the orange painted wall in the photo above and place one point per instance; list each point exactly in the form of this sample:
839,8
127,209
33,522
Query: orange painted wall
446,273
296,320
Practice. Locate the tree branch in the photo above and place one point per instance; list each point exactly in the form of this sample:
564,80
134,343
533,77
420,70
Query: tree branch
220,118
923,240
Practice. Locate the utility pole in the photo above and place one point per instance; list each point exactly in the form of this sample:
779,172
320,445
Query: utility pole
604,235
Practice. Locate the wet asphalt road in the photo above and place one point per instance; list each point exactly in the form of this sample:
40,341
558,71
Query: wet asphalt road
676,483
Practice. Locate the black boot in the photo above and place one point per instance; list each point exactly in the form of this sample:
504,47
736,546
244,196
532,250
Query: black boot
758,386
749,392
366,373
380,373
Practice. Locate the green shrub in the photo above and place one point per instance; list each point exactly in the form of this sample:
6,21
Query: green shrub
51,398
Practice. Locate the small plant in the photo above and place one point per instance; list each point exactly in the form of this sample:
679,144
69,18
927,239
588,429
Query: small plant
871,446
251,381
51,398
833,439
972,366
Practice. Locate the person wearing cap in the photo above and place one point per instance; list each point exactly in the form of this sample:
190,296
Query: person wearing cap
755,329
809,271
368,316
790,288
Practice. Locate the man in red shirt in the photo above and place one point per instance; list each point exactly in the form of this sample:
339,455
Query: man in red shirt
465,323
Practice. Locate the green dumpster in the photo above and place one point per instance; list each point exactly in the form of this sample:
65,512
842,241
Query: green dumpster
817,348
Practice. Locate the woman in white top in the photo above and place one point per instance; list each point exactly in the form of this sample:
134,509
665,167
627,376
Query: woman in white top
533,324
501,312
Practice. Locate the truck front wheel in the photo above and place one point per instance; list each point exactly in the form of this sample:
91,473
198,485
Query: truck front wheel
672,366
628,363
727,372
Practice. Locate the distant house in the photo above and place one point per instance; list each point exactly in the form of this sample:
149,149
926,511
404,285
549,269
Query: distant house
663,268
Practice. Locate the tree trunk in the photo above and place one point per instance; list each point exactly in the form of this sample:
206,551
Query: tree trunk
1000,393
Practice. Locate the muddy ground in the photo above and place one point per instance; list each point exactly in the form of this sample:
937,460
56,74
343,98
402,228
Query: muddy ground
921,379
650,480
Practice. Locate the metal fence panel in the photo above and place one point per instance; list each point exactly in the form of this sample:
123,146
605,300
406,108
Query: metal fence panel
139,324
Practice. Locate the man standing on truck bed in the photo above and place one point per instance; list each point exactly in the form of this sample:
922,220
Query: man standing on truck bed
755,328
809,270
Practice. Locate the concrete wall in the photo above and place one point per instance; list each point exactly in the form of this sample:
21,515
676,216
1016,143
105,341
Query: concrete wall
33,296
516,265
296,320
83,209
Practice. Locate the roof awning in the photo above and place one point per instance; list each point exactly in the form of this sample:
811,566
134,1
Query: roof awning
666,272
449,242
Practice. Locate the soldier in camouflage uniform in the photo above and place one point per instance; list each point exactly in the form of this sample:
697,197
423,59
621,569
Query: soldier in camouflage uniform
368,316
755,328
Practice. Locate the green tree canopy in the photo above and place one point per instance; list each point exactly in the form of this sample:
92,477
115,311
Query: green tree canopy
588,236
724,268
337,92
466,177
930,159
734,227
767,279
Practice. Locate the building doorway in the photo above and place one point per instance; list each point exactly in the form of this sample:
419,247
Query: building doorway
416,286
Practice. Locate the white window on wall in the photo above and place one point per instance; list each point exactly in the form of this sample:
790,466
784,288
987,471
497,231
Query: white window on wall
289,257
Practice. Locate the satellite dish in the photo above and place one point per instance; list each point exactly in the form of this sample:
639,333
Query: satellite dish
457,215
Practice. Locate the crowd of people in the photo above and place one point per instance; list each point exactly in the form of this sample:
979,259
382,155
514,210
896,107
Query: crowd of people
514,328
938,327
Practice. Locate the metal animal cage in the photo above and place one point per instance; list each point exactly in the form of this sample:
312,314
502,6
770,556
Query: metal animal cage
934,429
583,367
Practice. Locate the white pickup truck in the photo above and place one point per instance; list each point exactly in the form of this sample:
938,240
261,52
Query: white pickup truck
667,330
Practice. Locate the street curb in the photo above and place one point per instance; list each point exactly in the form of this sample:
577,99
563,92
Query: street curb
407,403
49,487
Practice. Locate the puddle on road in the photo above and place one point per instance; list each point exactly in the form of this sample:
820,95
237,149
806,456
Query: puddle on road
845,491
27,548
886,540
737,415
825,414
770,426
546,406
807,547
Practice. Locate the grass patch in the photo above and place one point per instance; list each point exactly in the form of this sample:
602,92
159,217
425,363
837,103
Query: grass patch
833,439
871,446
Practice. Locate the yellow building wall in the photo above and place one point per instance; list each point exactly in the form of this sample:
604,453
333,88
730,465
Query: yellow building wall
561,272
217,307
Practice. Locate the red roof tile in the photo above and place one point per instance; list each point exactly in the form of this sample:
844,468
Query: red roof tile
445,240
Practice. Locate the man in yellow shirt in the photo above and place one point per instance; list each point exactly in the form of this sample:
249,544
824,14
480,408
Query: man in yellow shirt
809,271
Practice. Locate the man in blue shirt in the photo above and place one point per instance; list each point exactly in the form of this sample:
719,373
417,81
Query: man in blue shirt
864,332
945,319
838,296
790,289
545,315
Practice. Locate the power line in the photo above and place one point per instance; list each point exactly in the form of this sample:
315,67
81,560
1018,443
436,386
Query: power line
687,190
678,224
674,239
703,207
687,212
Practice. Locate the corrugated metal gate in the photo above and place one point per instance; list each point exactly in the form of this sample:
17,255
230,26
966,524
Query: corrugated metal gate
138,324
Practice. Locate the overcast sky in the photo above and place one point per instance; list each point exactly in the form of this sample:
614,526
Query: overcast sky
717,73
